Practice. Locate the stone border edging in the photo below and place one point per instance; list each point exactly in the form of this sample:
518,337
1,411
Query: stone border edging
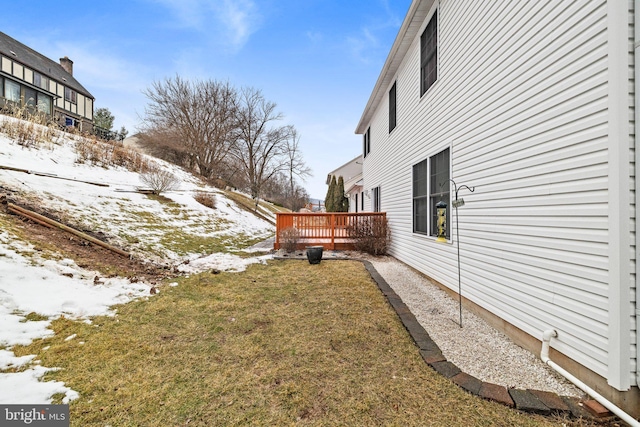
534,401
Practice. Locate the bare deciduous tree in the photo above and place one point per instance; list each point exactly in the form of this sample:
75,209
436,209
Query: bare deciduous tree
296,166
262,146
228,135
195,118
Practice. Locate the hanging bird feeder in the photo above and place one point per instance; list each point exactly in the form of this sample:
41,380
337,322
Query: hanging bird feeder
441,222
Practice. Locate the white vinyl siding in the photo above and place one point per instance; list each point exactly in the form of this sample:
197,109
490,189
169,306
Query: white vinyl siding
522,100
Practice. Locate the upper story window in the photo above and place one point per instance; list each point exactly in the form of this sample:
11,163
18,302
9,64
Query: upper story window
429,55
430,185
366,142
41,81
392,107
70,95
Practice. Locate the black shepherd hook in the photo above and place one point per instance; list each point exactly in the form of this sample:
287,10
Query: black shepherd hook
456,188
456,204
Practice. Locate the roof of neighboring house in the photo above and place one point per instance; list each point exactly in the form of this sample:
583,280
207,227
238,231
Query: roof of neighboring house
416,16
40,63
350,170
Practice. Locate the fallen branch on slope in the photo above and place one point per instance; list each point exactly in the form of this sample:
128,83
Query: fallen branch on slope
40,219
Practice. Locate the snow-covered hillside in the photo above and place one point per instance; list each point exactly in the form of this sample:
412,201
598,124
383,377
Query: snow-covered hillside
173,230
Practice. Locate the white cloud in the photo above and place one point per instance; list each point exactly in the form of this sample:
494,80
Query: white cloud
362,44
365,45
188,13
315,36
241,18
230,22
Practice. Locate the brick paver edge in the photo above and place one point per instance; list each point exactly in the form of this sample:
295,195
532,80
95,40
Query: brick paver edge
432,355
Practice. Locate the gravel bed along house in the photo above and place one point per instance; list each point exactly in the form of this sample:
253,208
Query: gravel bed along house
476,348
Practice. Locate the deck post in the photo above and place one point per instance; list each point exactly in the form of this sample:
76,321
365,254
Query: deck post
333,232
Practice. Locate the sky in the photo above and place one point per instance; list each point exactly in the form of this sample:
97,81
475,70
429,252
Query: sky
318,60
31,281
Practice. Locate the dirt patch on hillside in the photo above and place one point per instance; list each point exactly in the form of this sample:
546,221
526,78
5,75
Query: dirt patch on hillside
86,254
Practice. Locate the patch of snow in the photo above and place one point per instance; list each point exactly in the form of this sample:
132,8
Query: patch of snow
221,262
54,288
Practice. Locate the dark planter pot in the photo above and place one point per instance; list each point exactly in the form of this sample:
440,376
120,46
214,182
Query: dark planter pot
314,254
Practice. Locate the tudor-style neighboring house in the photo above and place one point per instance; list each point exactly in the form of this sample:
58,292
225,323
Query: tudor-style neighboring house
351,173
30,80
534,104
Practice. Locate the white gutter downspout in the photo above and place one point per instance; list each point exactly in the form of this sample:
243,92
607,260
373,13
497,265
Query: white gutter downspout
544,355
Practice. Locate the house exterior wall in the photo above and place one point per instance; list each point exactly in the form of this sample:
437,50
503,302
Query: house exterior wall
81,111
535,102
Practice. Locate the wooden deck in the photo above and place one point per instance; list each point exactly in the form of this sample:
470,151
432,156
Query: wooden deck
333,231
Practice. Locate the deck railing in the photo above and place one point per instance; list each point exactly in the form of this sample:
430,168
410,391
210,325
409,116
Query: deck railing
333,231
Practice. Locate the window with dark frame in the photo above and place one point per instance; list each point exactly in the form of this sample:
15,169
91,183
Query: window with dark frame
44,103
41,81
29,97
375,202
12,90
70,95
439,188
366,142
362,200
430,185
392,107
421,197
429,55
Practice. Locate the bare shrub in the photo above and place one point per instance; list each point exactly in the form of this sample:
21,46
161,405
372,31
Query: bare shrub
159,180
30,130
206,199
290,238
371,234
88,150
92,150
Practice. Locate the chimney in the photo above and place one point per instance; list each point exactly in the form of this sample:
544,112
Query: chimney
67,64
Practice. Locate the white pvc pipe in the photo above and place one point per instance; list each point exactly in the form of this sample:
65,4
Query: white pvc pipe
544,355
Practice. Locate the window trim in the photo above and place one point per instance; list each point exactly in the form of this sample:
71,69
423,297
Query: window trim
428,56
